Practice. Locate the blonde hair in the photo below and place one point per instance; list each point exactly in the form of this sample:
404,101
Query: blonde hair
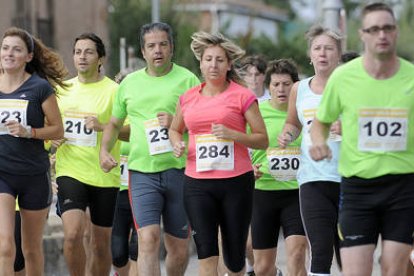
203,40
318,30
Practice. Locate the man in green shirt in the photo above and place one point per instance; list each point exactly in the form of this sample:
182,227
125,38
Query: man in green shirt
374,97
149,97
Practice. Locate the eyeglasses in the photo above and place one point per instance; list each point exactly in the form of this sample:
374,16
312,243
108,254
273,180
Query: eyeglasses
374,30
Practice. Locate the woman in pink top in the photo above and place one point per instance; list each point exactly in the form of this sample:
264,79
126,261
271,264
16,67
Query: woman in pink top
219,181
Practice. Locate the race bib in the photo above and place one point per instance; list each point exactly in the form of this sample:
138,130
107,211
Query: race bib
309,115
124,170
213,153
157,137
382,129
12,110
76,132
283,163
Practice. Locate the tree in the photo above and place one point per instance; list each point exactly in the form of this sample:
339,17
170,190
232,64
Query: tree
128,16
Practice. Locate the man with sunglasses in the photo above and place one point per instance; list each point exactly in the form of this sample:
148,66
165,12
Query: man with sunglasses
374,96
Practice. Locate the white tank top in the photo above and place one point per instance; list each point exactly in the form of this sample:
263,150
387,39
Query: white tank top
307,103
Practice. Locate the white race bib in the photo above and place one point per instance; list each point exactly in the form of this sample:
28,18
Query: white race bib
124,170
12,110
213,153
76,132
382,129
309,115
157,137
283,163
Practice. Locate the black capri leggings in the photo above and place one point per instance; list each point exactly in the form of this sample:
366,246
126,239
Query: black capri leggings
224,203
319,209
124,243
19,260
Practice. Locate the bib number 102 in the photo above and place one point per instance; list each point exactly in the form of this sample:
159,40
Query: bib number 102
383,129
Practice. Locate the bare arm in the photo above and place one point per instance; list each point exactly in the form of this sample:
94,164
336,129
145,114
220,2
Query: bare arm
257,139
175,132
110,135
319,132
292,127
124,133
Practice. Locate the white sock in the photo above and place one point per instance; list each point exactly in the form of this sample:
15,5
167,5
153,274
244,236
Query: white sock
249,268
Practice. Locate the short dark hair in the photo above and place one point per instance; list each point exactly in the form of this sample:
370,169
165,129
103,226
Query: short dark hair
281,67
257,61
378,6
157,26
100,47
348,56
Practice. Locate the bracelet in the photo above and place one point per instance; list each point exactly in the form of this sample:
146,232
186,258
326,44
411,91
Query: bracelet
29,132
33,133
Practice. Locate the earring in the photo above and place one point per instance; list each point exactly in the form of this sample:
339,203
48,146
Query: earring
310,62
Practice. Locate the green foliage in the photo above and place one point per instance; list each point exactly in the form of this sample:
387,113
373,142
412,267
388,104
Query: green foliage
406,24
124,21
293,46
129,15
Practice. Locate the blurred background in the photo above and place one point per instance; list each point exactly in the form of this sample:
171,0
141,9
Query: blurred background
274,28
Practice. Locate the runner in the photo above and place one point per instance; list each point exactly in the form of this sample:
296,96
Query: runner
374,97
86,107
28,76
148,97
276,194
218,185
252,69
319,181
124,240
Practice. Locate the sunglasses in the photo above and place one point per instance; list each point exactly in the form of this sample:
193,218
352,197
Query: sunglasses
374,30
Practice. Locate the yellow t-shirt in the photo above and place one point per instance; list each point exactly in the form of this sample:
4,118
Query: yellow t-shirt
78,157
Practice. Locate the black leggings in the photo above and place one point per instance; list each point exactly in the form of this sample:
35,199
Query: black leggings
224,203
319,208
123,248
19,260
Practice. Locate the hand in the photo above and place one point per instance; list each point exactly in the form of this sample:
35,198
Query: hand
17,130
107,161
57,143
257,172
320,152
284,139
164,119
336,128
91,122
221,132
179,149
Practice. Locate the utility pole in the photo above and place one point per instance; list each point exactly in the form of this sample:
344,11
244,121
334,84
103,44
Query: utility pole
155,11
331,12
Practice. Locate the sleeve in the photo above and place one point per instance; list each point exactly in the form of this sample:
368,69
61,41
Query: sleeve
194,81
45,90
119,107
248,98
330,106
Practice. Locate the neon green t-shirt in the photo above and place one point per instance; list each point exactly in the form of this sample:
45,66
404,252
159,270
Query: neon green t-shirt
377,119
282,163
141,97
78,157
